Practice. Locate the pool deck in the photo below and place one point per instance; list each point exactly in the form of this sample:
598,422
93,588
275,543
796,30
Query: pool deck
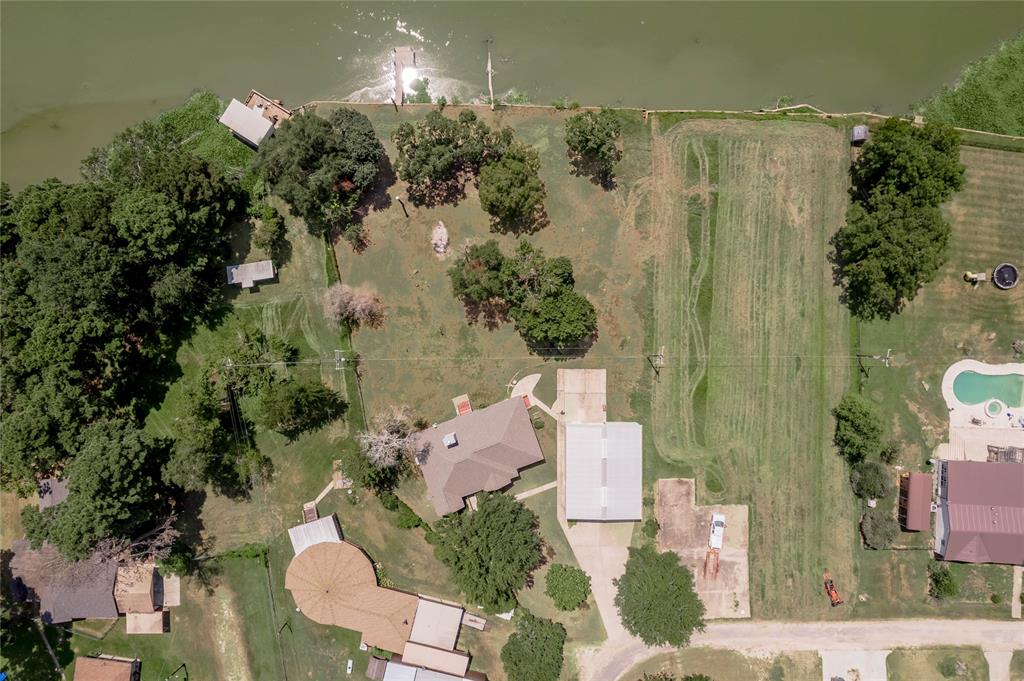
970,441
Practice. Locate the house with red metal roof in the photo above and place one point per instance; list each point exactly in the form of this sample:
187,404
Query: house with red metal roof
980,516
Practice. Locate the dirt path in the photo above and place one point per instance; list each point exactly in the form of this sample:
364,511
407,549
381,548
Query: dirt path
227,632
766,637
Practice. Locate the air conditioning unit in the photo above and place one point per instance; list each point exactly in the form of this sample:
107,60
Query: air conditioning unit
934,507
450,440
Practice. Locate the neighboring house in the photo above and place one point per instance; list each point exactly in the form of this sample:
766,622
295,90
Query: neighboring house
479,451
249,273
916,502
247,124
92,588
106,668
604,471
52,492
980,515
64,591
333,582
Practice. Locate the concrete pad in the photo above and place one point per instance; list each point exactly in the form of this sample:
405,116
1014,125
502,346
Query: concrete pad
685,528
602,549
998,664
582,395
145,622
1018,578
853,665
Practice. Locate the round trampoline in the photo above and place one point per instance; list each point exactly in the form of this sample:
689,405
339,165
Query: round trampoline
1005,276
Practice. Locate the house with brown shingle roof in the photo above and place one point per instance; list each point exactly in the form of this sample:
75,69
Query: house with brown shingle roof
106,668
481,451
64,591
980,517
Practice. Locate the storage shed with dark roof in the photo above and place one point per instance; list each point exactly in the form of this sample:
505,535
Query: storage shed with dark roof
916,501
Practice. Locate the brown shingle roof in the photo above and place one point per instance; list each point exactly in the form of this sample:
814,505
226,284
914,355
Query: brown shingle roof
493,444
133,588
984,505
335,583
99,669
65,591
916,501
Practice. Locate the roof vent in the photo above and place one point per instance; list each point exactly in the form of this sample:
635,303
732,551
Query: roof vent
450,440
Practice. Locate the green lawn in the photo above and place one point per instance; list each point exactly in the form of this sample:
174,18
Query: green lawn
1017,666
934,663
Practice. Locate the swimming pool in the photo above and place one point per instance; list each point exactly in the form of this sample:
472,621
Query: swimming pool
971,387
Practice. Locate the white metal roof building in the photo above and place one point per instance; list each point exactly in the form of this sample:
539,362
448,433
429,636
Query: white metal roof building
323,530
436,624
249,273
604,471
398,671
249,125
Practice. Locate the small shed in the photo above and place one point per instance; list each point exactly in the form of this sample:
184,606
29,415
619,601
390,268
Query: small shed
859,135
376,668
916,502
323,530
247,274
248,125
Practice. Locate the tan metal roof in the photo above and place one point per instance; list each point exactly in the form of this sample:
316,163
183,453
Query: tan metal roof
445,661
144,622
436,624
98,669
133,588
334,583
493,444
916,501
984,506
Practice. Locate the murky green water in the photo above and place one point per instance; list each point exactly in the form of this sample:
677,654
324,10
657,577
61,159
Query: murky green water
74,73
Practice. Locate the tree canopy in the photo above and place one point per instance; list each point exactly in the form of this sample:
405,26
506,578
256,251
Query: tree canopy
895,239
871,480
567,586
322,166
491,551
438,155
534,651
656,600
292,407
591,138
536,292
879,528
101,281
511,190
113,485
859,429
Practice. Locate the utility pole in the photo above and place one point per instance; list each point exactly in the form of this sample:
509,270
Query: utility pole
657,361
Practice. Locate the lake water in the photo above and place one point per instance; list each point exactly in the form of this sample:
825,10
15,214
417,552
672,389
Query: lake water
75,73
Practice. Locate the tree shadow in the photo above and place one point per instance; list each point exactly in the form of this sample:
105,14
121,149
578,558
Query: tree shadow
378,196
530,224
577,350
595,171
438,193
493,313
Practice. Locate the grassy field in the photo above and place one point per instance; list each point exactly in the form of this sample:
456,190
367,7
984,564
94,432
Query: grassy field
754,337
927,663
724,664
948,321
1017,666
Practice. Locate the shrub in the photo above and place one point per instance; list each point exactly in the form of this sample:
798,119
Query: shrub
950,666
180,560
871,480
407,518
567,586
941,581
294,407
858,428
268,231
890,453
656,600
878,528
650,528
358,307
534,651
